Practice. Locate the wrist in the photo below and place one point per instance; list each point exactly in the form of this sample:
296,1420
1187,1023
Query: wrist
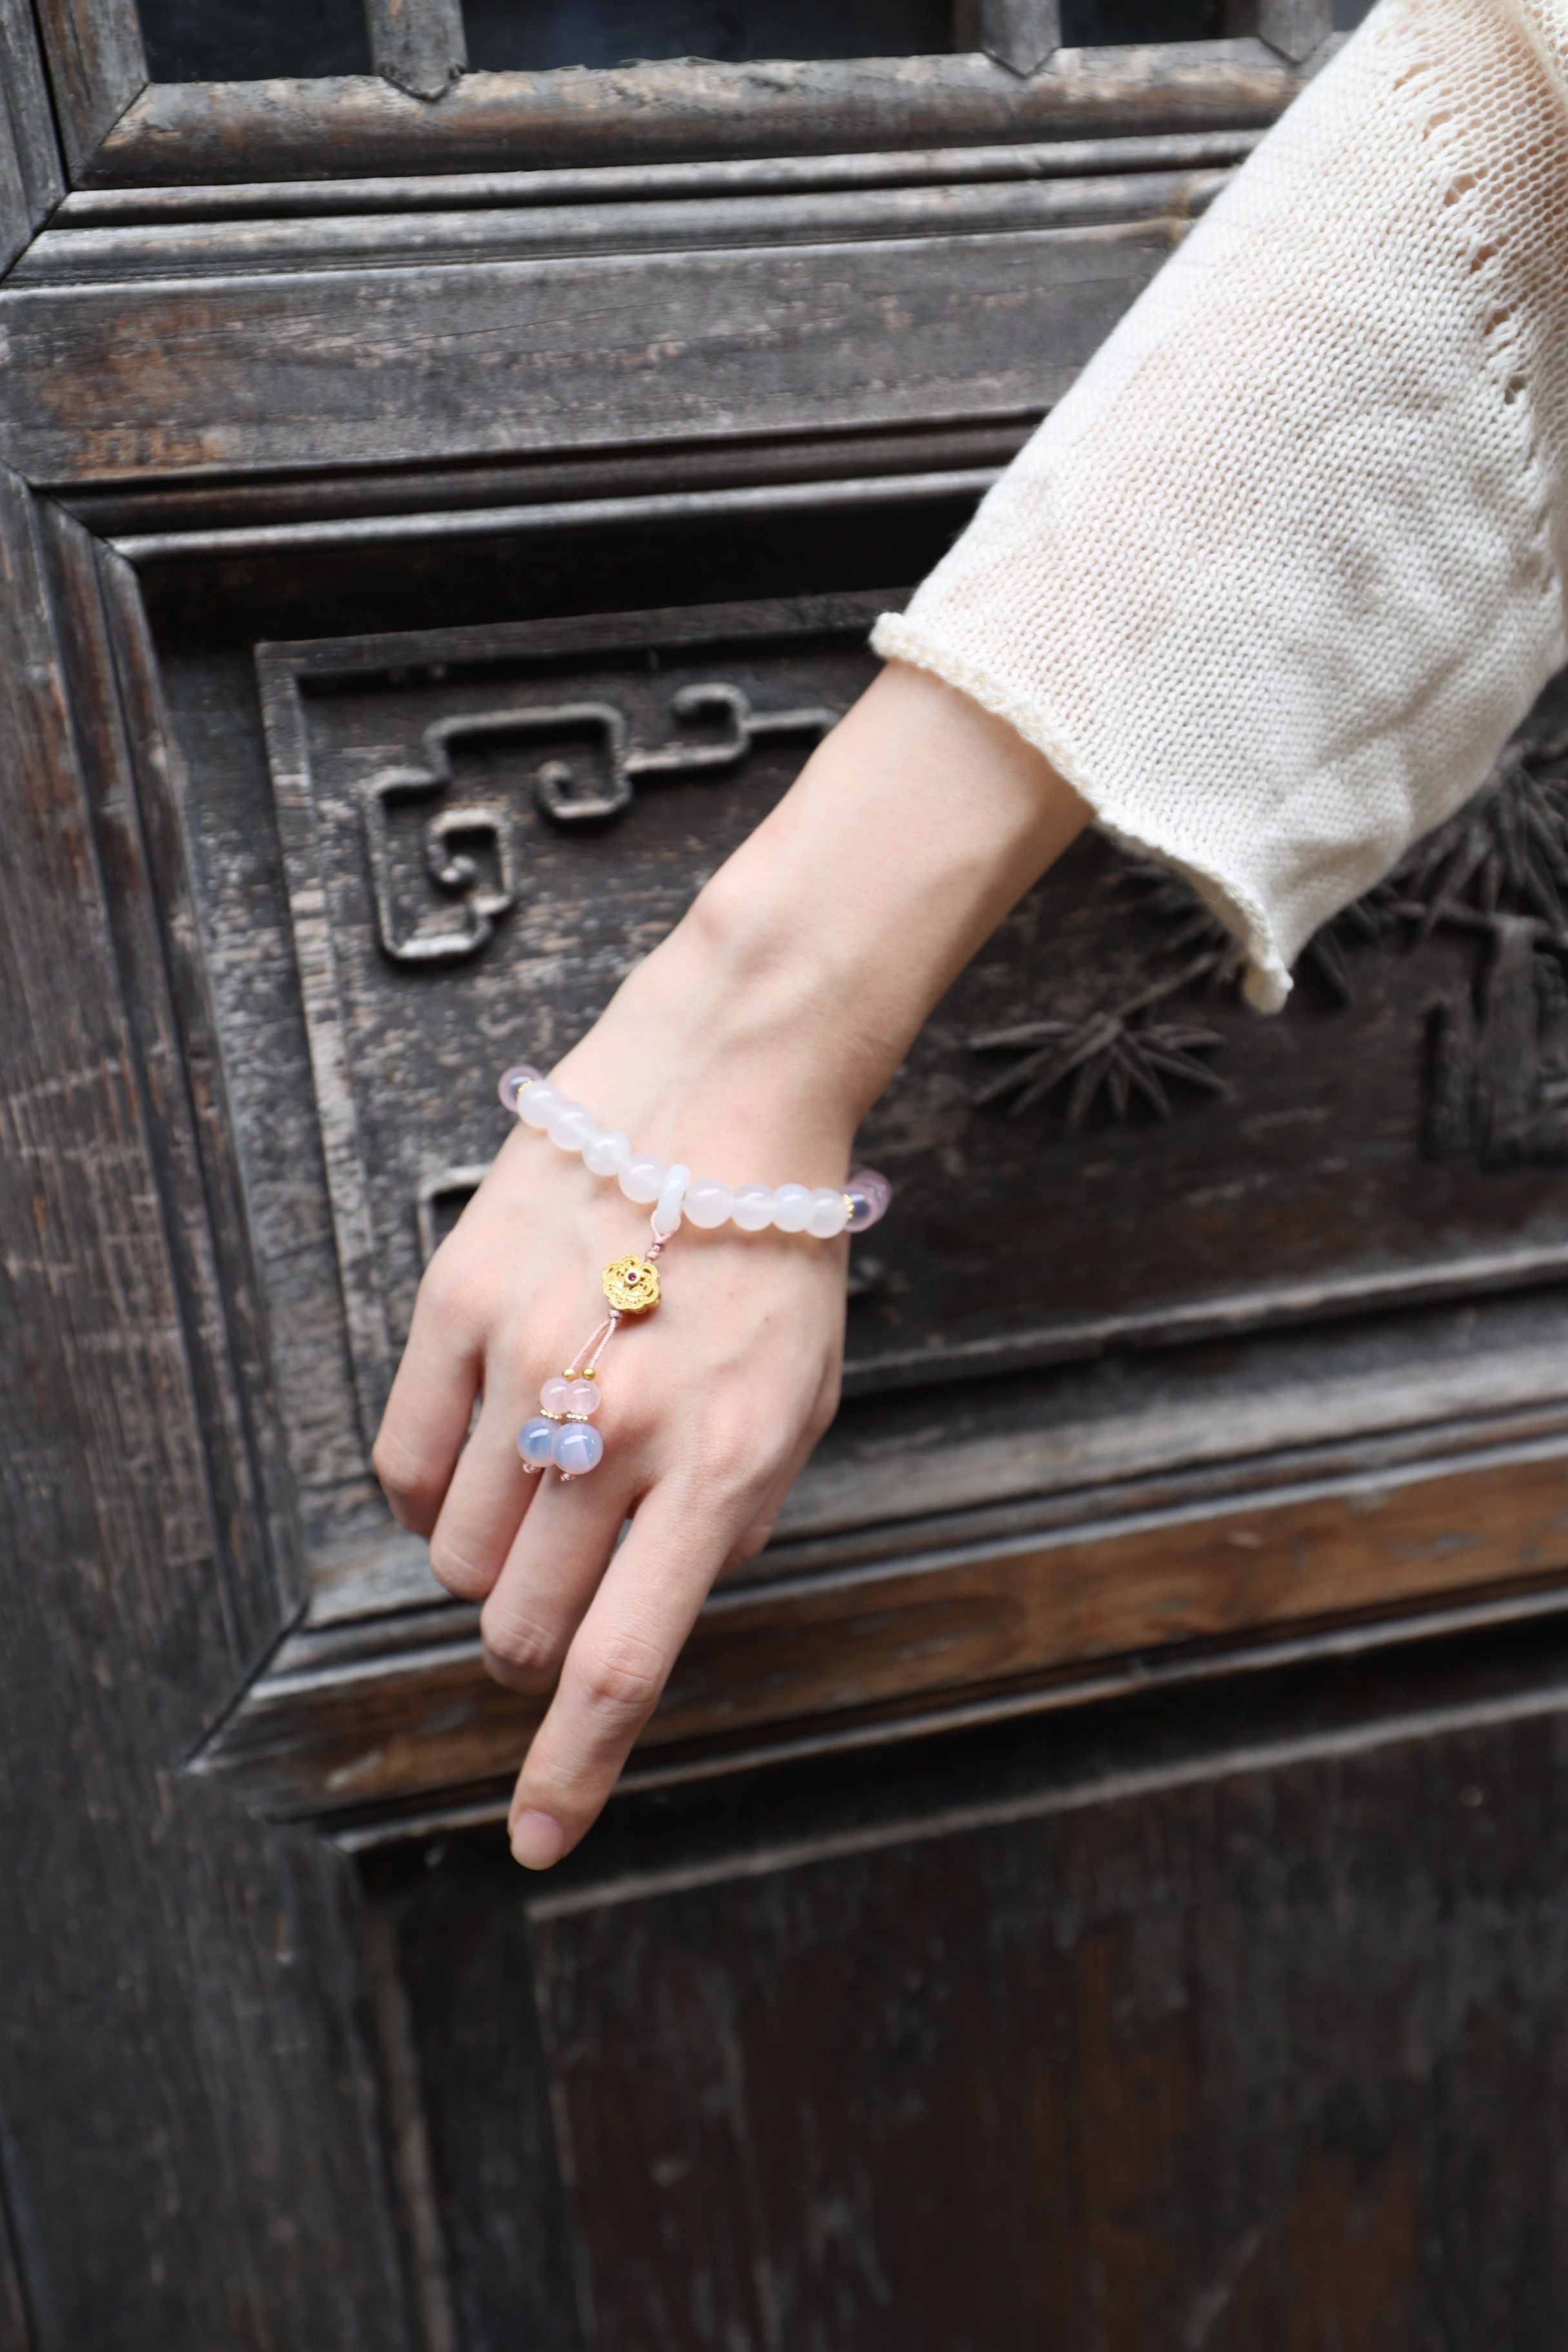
762,1030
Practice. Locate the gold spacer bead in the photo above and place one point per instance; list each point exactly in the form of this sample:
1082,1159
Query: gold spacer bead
591,1374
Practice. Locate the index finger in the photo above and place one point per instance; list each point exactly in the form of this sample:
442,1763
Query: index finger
617,1666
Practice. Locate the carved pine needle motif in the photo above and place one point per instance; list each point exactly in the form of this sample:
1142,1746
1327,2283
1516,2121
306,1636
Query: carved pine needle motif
1497,1053
1120,1054
1504,853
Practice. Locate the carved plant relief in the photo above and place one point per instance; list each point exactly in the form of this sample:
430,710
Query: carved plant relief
1495,1048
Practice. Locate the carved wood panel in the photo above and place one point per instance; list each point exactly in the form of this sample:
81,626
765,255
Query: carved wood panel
482,828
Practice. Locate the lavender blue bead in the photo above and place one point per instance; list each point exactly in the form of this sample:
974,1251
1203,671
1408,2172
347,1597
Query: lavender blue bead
535,1441
576,1446
513,1082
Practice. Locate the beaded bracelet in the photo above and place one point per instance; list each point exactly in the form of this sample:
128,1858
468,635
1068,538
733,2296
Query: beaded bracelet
560,1436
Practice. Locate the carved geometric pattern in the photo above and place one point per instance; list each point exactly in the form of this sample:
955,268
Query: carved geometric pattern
602,737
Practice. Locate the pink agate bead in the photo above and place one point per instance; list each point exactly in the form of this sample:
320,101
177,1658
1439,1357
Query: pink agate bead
569,1400
513,1082
869,1193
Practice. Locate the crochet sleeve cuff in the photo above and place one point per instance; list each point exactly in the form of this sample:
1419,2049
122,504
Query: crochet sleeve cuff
1273,583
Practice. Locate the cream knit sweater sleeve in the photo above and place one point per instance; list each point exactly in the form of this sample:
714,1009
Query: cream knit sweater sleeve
1274,582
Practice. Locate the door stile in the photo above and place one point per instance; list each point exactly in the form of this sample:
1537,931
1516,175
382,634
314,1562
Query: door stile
214,1957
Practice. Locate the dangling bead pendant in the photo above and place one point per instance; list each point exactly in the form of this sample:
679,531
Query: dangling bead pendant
560,1436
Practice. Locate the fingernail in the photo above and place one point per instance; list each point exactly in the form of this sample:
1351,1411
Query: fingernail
537,1841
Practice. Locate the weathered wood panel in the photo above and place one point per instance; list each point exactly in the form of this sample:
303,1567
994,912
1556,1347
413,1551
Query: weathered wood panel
1226,2025
97,66
323,369
1295,28
396,1713
189,2108
418,45
30,177
257,131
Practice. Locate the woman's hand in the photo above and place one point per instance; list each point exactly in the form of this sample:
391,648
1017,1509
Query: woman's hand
711,1404
749,1044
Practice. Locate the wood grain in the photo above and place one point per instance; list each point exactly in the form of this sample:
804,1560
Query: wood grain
418,45
30,178
1295,28
636,183
388,1715
1213,2049
96,67
177,1983
291,129
379,240
1021,34
321,370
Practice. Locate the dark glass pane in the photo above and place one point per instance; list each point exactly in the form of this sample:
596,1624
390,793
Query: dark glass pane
1089,24
530,36
216,40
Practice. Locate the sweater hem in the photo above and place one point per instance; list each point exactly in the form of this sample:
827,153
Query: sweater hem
1267,982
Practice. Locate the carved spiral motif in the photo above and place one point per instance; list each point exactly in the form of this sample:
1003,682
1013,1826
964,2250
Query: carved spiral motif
631,1285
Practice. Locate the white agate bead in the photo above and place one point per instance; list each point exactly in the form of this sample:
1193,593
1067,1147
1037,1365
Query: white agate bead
672,1193
792,1207
607,1152
753,1208
538,1103
642,1178
829,1214
570,1125
709,1203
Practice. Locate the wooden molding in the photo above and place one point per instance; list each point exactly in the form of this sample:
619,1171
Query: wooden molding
487,121
97,68
1296,28
419,45
393,1715
286,372
1021,34
31,180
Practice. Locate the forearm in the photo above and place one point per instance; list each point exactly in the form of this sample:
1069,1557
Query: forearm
806,966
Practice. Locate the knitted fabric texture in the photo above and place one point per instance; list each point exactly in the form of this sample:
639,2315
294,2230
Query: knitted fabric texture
1275,581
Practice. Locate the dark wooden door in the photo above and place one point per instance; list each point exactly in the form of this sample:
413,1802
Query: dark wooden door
1097,1882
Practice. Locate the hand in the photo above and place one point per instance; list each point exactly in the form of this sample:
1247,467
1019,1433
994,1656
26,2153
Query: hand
749,1044
711,1402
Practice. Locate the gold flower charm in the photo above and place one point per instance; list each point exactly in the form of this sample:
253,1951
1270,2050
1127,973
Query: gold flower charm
631,1285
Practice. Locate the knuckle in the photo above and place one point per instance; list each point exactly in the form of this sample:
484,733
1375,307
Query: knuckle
466,1577
622,1676
458,1285
409,1484
519,1650
751,1540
